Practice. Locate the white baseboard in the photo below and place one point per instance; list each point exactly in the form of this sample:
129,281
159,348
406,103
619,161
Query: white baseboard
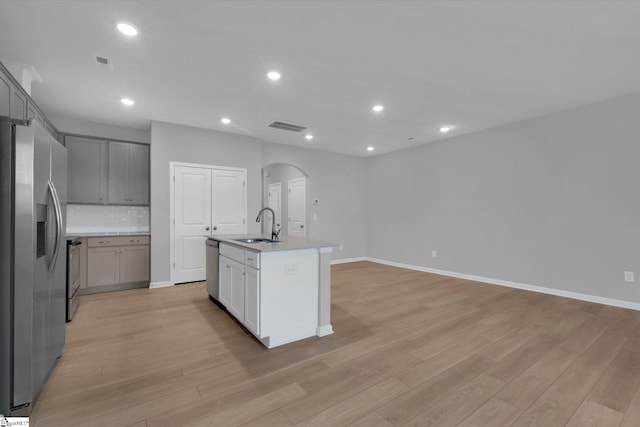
323,331
346,260
516,285
154,285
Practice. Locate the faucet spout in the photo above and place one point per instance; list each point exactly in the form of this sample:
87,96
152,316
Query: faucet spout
275,234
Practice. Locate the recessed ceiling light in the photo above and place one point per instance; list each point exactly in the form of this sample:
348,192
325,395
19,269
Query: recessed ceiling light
274,75
370,148
127,29
445,129
225,120
308,137
127,101
378,108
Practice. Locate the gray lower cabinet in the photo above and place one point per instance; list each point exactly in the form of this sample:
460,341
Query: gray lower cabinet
128,173
87,170
117,260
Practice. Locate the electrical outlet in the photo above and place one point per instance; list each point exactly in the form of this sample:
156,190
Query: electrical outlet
629,276
315,216
340,246
434,254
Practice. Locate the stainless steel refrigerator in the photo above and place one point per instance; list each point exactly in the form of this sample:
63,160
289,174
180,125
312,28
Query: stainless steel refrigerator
33,193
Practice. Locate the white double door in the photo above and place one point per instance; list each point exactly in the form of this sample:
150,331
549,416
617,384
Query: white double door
207,201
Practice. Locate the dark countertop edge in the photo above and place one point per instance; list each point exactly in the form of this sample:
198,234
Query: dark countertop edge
290,244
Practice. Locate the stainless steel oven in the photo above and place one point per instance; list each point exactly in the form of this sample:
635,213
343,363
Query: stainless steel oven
73,276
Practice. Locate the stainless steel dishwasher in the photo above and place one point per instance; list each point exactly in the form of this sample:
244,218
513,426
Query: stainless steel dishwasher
213,265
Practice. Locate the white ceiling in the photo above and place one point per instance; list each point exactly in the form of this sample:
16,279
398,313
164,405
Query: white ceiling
472,64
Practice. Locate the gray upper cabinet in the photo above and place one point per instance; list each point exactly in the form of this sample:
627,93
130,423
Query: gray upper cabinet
33,113
18,104
128,173
139,174
5,96
87,170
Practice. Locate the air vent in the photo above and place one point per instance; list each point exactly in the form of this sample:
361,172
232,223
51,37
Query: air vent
102,63
287,126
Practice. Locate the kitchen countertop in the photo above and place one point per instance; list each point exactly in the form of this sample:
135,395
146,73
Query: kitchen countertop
108,233
286,244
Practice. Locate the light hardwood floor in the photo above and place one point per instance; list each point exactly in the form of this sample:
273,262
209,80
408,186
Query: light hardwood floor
409,348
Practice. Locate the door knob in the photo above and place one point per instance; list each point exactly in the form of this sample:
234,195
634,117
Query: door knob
301,226
207,228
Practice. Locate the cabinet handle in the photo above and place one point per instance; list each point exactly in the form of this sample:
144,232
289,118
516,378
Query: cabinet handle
207,228
244,274
228,266
102,242
215,228
301,226
249,259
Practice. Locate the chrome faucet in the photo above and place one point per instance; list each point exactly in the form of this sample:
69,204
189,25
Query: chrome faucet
275,234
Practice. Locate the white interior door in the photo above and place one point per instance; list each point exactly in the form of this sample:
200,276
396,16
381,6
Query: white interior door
296,202
192,216
228,214
275,203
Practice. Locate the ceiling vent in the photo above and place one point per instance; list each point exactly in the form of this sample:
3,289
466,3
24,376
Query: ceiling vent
287,126
102,63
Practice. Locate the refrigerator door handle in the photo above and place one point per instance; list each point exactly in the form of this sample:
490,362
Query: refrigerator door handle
58,212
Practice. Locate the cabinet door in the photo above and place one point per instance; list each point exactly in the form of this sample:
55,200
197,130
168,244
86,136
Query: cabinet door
224,280
236,297
134,264
18,104
102,266
5,96
118,173
139,174
87,170
252,300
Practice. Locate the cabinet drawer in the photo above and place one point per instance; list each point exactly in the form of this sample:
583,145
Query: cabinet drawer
252,259
232,252
97,242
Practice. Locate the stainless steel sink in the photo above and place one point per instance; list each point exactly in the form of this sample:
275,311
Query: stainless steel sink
257,240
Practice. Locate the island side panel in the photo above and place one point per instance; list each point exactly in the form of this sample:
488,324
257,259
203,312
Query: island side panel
289,295
324,292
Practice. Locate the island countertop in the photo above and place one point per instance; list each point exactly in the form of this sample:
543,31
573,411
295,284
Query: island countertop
285,244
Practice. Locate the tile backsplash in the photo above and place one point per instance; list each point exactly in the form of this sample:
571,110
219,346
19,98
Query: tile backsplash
103,218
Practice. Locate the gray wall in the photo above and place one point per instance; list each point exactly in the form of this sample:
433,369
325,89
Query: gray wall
553,202
175,143
338,182
83,127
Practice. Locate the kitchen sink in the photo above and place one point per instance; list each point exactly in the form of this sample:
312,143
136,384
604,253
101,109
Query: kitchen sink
257,240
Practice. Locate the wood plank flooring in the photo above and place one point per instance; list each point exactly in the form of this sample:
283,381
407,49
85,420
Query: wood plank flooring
409,348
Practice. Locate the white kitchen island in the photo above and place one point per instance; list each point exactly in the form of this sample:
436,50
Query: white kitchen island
281,291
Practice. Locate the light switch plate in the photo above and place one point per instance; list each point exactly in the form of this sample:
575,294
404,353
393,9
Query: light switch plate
629,276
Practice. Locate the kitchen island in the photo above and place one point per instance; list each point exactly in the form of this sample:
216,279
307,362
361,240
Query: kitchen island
280,291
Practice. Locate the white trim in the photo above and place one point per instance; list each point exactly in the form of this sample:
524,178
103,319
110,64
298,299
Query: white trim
516,285
200,165
172,175
347,260
155,285
323,331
